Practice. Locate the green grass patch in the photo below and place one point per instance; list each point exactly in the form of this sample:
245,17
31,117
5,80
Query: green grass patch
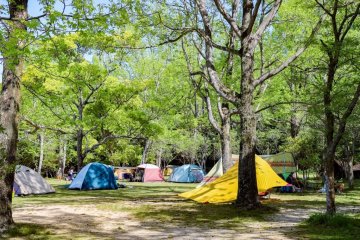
202,215
28,231
324,226
158,205
337,220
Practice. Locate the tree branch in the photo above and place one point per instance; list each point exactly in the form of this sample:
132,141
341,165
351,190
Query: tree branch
38,126
267,20
105,139
226,16
220,88
349,110
356,14
281,103
323,8
286,63
211,118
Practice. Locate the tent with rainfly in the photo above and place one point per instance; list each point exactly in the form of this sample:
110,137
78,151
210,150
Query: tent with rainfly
94,176
27,181
188,173
225,188
216,171
281,163
150,173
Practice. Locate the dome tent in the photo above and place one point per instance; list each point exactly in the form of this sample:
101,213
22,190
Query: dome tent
27,181
148,173
189,173
94,176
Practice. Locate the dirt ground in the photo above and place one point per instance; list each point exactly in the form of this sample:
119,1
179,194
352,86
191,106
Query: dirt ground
88,222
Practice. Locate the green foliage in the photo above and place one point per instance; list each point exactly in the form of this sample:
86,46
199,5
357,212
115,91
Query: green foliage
306,149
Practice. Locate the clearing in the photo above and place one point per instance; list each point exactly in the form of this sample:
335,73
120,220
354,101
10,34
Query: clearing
153,210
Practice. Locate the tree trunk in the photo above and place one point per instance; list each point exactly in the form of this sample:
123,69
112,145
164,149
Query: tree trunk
41,157
247,193
350,176
158,158
294,125
146,150
10,104
329,157
64,159
62,156
329,152
226,143
79,149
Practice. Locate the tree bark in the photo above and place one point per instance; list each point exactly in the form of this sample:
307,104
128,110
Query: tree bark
10,104
62,156
329,152
158,157
64,159
226,140
41,157
79,149
329,157
247,192
349,164
146,150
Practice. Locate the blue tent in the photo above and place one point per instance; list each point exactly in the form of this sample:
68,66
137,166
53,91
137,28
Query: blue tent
94,176
188,173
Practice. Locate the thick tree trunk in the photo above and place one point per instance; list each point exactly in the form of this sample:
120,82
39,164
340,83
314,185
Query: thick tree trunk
329,152
329,157
41,157
226,143
10,103
247,192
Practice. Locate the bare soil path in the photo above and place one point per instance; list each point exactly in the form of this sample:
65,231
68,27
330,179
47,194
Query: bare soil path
90,222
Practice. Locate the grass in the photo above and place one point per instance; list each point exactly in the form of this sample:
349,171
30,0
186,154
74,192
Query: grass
28,231
158,205
338,226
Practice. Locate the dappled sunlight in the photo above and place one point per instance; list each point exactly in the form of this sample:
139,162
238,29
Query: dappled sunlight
153,210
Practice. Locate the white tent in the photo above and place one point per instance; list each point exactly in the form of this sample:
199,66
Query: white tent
216,172
27,181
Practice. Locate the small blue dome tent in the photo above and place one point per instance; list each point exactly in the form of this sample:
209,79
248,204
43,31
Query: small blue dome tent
94,176
188,173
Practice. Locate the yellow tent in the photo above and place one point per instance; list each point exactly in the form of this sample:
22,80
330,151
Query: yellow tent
224,189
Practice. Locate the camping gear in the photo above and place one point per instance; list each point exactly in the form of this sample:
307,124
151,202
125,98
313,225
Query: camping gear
189,173
94,176
169,169
148,173
216,171
124,173
27,181
225,188
281,163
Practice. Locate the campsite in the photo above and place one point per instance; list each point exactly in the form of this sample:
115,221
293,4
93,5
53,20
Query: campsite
179,119
153,210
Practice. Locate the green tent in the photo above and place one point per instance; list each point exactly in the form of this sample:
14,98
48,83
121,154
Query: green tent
282,163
